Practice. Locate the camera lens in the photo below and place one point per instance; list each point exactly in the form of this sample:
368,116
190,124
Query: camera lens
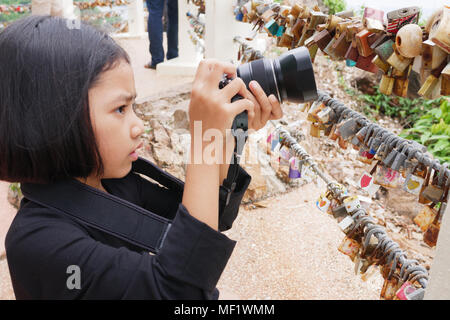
289,77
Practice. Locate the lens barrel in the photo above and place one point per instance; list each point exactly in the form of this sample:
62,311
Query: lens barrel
289,77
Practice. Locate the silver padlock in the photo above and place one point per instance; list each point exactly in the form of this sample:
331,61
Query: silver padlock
348,128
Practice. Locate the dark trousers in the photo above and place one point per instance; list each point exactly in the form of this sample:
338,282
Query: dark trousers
155,29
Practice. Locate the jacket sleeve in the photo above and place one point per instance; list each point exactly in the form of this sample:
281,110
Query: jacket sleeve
165,202
188,266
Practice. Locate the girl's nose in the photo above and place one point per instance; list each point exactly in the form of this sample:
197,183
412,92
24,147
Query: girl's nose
137,129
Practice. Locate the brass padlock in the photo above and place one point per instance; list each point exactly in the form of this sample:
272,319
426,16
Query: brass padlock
296,9
312,48
445,81
398,61
315,130
329,49
298,28
384,66
332,22
429,85
342,143
315,18
400,87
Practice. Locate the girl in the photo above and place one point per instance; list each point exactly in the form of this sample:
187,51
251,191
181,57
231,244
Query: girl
67,119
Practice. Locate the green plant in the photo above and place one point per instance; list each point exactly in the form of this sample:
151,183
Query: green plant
433,131
335,5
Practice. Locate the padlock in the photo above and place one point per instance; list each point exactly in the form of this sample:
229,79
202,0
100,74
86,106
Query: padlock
348,128
332,21
433,193
380,40
398,61
385,50
399,18
428,86
297,29
352,31
280,31
352,54
400,87
316,107
352,204
386,84
399,160
323,203
312,48
364,155
349,247
314,19
366,183
373,19
390,288
334,133
386,177
322,39
409,291
340,46
341,27
414,182
408,41
365,63
328,49
425,217
295,10
314,130
338,211
295,168
286,41
431,235
346,224
445,81
362,43
305,12
305,35
432,55
383,66
272,27
440,28
326,115
342,143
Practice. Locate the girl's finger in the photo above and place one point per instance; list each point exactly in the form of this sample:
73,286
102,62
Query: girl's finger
277,112
264,102
241,105
237,86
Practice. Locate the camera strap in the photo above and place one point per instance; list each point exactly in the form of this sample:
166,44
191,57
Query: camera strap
106,212
240,133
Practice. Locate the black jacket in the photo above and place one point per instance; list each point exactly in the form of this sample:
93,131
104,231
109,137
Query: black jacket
41,244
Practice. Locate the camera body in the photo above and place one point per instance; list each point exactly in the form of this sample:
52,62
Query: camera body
290,77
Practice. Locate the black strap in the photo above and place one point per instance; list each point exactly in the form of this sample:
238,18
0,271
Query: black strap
240,133
143,228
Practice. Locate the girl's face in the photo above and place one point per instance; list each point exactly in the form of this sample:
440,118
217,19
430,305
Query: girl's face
116,127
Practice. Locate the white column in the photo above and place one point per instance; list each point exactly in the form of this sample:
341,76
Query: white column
439,284
136,27
221,28
188,58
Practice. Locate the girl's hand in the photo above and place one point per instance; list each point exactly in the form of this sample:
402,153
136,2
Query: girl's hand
212,105
266,108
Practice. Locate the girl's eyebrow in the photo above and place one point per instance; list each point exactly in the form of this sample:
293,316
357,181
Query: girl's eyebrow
124,98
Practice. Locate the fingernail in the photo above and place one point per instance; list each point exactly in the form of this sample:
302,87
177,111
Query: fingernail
253,84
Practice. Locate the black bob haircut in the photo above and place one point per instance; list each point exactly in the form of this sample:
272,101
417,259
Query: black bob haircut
46,70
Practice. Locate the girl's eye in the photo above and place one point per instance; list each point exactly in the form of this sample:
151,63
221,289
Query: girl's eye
120,109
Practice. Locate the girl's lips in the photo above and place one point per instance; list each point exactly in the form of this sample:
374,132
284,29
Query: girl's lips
138,147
